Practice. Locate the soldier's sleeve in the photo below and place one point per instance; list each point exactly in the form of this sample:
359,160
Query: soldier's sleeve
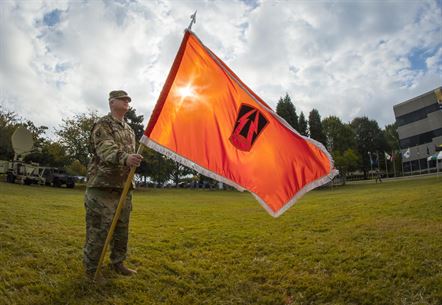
105,146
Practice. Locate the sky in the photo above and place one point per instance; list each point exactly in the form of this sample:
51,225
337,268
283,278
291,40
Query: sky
344,58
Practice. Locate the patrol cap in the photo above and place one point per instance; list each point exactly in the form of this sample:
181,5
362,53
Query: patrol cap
118,94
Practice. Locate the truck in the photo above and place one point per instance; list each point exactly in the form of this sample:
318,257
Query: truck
56,177
24,173
28,173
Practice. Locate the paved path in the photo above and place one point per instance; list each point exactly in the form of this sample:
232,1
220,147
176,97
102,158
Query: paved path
414,177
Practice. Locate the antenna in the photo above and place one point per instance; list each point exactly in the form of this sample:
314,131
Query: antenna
22,141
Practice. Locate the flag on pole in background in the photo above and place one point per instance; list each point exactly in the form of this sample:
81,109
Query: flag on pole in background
387,156
407,153
208,119
371,159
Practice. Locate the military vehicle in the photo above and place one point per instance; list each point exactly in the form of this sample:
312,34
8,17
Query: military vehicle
4,166
18,170
56,177
30,172
24,173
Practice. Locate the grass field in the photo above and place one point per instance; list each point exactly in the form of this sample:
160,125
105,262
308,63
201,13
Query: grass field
358,244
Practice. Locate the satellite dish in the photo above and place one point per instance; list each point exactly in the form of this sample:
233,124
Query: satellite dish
22,141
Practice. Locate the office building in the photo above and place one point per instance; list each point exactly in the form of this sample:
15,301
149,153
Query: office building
419,122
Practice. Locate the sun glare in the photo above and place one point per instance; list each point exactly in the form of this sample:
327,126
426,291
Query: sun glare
186,91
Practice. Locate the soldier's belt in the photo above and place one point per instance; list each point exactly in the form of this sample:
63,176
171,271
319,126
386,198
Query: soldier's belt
112,189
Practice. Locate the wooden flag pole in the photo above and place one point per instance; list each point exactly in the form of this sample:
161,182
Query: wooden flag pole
120,206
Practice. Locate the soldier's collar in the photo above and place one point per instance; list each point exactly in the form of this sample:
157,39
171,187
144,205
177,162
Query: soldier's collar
115,119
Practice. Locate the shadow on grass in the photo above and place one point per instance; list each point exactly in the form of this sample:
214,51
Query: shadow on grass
78,289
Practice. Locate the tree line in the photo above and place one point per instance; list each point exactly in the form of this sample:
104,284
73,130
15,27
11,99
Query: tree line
359,145
70,149
348,143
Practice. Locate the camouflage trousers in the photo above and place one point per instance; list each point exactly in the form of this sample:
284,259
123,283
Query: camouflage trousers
100,204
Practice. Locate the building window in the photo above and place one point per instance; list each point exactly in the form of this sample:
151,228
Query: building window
420,139
416,115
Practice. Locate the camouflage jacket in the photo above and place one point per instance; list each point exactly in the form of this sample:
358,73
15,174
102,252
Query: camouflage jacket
111,142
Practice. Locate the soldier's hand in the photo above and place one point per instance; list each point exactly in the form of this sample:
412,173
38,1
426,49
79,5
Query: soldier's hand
134,160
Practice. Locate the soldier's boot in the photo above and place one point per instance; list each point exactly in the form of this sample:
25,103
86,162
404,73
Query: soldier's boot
122,269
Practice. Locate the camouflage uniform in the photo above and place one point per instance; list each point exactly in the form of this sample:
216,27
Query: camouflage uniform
111,142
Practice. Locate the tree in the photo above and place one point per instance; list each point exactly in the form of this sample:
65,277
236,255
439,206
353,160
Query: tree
204,181
369,138
302,125
37,132
135,121
74,136
346,162
339,136
8,123
287,111
315,127
158,167
178,171
52,154
76,169
340,141
392,139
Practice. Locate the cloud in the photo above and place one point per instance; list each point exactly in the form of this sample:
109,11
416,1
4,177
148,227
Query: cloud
346,59
342,58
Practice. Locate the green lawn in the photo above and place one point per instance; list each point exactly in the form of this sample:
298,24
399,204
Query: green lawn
358,244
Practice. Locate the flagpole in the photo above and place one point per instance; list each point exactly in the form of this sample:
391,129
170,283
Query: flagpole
394,163
386,167
402,164
419,161
371,165
120,206
420,168
379,164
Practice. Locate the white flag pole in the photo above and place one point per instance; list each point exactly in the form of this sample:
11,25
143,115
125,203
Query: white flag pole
402,162
419,161
371,165
393,159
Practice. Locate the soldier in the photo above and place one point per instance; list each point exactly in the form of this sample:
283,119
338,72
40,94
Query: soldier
112,144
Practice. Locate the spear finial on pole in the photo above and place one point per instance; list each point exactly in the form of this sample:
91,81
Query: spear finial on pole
192,21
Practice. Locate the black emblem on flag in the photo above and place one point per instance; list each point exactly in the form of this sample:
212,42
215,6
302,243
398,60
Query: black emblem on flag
250,122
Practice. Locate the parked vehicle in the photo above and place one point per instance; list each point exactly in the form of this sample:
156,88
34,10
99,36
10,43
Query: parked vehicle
56,177
30,172
24,173
4,166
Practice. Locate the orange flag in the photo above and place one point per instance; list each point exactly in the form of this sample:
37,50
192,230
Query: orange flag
208,119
